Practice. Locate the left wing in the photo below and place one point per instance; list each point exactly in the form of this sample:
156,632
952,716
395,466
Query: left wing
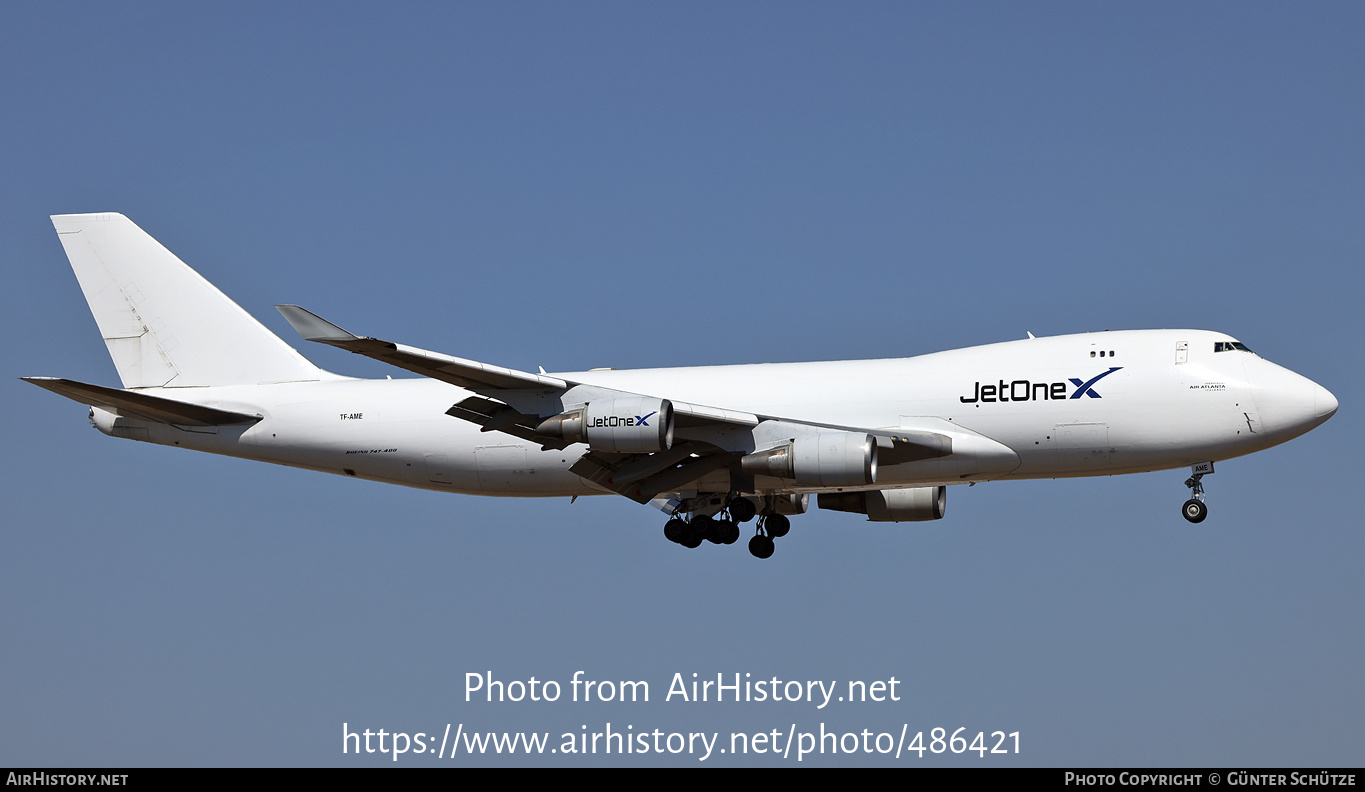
685,441
534,395
467,374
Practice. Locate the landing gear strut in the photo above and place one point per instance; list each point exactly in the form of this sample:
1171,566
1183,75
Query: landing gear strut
1194,509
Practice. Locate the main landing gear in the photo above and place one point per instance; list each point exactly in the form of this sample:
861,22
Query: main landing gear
701,528
1194,509
770,527
725,529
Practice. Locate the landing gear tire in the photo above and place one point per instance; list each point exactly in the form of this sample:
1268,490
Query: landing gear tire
777,526
1194,510
727,531
674,530
742,509
690,539
706,528
761,547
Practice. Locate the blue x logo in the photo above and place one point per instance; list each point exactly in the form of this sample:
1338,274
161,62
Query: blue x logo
642,420
1085,387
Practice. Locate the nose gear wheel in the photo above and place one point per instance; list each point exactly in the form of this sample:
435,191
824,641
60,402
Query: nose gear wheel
1194,509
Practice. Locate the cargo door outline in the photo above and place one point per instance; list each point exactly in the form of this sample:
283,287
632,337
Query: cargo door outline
502,467
1085,444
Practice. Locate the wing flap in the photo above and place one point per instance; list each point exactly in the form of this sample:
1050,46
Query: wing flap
494,416
606,471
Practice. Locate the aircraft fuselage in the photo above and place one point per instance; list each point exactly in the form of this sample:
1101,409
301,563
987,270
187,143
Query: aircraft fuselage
1077,405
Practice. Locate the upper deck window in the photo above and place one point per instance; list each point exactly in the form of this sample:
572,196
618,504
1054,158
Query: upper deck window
1228,346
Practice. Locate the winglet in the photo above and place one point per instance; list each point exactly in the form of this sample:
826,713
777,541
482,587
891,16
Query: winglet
313,327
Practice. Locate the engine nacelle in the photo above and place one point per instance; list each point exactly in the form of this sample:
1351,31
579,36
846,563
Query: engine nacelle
638,425
897,505
829,459
789,504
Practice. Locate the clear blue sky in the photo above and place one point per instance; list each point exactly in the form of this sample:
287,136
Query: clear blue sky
594,184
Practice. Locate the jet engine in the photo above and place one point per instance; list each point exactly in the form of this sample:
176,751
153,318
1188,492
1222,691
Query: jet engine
897,505
639,425
828,459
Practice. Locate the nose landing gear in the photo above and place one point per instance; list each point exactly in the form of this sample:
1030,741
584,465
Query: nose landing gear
1194,509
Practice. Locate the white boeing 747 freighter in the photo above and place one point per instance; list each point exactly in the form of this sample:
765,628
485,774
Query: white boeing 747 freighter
713,446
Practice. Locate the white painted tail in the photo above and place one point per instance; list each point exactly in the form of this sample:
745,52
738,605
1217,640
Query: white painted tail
165,325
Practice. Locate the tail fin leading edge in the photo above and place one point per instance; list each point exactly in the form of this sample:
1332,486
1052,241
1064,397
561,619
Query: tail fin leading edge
165,325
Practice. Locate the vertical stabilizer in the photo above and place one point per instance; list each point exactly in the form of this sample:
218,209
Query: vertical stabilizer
165,325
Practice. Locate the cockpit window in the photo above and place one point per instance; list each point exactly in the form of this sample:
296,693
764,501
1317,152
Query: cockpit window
1229,346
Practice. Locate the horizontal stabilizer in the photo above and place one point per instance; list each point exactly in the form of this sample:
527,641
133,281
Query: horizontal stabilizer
141,405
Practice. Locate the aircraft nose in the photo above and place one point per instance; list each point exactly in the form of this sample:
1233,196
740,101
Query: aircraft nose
1289,404
1324,403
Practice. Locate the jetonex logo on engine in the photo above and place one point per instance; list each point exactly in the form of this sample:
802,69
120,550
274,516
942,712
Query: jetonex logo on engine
613,421
1027,390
